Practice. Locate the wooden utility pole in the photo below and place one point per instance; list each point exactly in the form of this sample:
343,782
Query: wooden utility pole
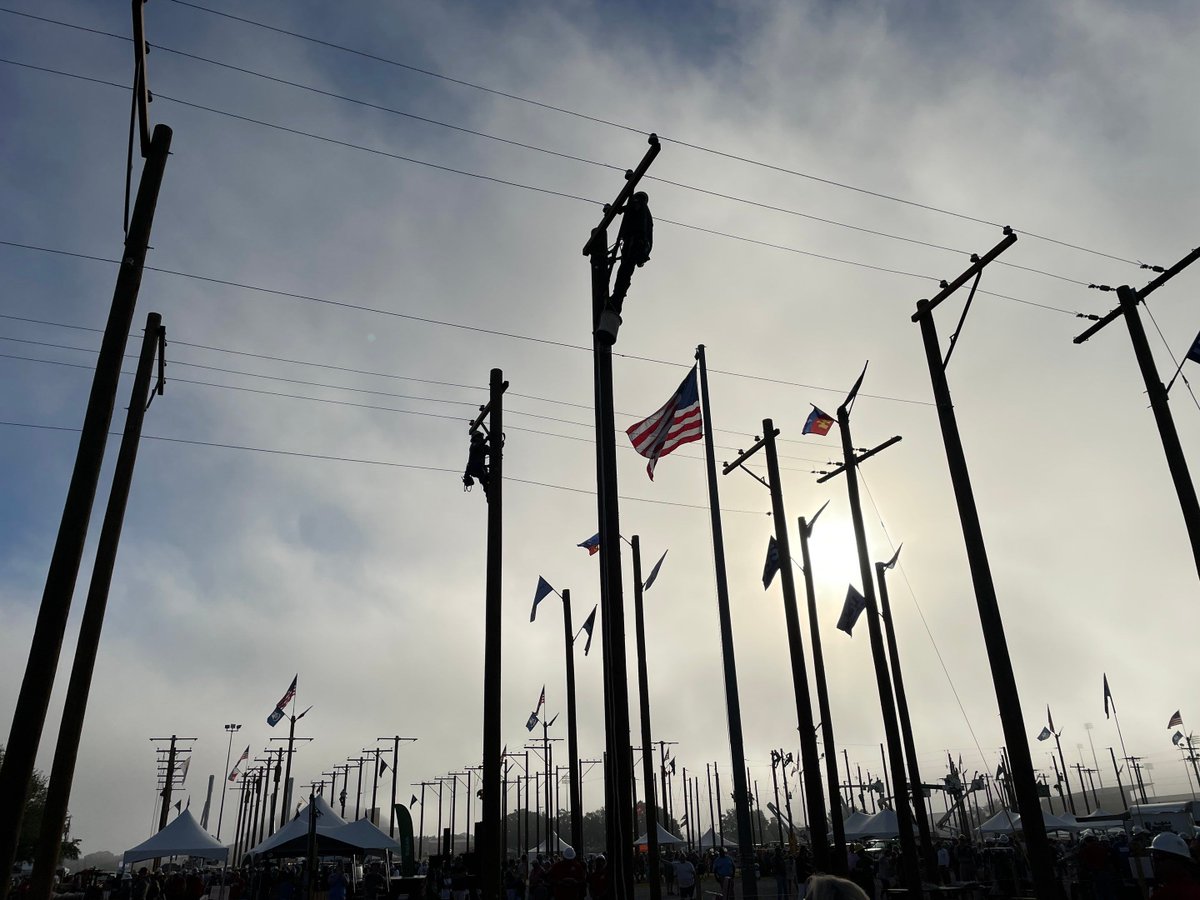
33,699
1041,857
838,854
62,774
488,845
1176,461
618,778
814,799
909,864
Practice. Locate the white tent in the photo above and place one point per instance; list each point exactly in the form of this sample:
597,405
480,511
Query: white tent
853,822
709,840
881,825
297,829
1065,822
664,837
183,837
364,835
1004,822
552,845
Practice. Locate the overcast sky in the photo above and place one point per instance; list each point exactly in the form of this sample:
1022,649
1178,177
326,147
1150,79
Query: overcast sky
239,569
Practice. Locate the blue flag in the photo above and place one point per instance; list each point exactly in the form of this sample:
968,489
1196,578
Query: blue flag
1194,351
851,610
654,572
772,564
588,625
543,589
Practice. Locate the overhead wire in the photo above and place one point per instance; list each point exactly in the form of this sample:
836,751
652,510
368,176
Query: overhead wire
527,187
376,462
1171,353
924,622
438,322
375,374
545,150
641,131
366,406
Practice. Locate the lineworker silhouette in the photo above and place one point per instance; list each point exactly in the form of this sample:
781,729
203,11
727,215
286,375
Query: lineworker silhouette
477,467
634,239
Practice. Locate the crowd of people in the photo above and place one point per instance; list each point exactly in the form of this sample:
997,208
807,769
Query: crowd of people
1094,865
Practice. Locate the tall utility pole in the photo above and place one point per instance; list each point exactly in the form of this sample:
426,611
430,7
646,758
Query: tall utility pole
1176,461
906,732
395,739
733,706
618,779
1070,798
572,728
232,729
66,753
838,860
29,716
644,706
373,812
488,844
1041,857
287,776
276,776
664,774
421,827
910,870
808,738
1117,772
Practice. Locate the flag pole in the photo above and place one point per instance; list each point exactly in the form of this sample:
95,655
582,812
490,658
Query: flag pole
733,707
572,728
910,868
906,733
831,766
1121,738
652,860
814,802
1065,776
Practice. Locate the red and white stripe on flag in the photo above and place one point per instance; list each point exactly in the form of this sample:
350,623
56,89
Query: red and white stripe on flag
678,421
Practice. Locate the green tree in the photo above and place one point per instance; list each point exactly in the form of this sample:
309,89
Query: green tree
31,823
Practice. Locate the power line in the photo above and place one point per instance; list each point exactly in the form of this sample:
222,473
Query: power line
367,406
374,462
310,363
533,147
641,131
523,186
437,322
920,612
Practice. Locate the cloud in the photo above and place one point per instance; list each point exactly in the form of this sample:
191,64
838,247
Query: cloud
239,569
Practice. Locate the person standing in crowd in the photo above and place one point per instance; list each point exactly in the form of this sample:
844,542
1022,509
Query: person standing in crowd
1174,868
723,869
568,877
685,877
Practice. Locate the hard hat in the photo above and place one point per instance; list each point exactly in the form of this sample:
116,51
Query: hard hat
1169,842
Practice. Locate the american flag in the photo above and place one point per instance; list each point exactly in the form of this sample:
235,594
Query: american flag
541,699
1176,719
233,773
287,698
678,422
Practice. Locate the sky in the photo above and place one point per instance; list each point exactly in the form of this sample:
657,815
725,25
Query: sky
823,167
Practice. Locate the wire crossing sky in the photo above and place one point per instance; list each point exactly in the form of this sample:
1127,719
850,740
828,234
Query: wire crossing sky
368,207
